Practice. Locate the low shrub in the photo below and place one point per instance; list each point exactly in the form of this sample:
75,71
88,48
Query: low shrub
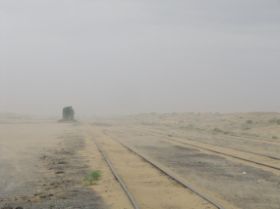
93,177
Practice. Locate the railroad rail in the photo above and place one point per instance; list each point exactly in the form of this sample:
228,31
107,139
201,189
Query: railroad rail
225,154
244,151
129,195
240,138
159,167
172,176
236,138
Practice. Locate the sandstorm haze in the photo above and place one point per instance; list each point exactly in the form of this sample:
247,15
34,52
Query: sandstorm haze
119,57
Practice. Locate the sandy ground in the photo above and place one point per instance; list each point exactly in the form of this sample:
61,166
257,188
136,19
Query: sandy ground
44,164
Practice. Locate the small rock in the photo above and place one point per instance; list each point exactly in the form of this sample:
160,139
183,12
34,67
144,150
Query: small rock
59,172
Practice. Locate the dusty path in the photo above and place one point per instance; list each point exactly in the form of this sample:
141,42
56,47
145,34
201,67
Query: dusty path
150,187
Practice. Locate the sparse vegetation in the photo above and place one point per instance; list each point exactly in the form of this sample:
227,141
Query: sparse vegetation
249,122
275,121
245,127
217,130
93,177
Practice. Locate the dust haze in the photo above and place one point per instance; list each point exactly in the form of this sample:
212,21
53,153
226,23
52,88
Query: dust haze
120,57
193,86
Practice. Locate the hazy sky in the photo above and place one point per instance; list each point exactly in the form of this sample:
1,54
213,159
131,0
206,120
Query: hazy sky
132,56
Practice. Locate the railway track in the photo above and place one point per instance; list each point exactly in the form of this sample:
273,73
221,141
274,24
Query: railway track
155,165
255,153
240,139
129,195
273,165
244,138
213,150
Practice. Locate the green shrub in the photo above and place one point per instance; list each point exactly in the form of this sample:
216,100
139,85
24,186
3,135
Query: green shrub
93,177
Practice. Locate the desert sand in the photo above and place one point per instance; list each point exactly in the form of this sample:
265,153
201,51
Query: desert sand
233,158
